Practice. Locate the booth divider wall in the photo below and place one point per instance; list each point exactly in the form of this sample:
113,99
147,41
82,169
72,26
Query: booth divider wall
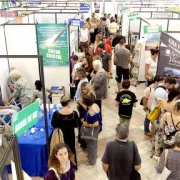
4,66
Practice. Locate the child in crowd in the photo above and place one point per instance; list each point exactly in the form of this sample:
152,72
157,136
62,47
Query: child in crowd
125,100
85,89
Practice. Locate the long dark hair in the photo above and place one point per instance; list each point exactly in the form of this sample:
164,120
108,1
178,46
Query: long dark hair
174,92
54,162
38,85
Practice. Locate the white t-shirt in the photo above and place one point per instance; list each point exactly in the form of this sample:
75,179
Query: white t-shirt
159,94
149,94
107,22
76,66
84,35
152,67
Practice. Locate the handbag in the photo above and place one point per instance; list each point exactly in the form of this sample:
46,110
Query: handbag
166,172
135,175
155,113
90,132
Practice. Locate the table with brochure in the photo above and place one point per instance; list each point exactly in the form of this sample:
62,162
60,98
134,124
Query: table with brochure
33,147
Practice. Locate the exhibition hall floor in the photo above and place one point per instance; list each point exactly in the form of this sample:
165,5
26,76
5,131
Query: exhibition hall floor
110,120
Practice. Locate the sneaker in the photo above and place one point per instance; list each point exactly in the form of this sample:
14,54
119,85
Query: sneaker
156,158
108,86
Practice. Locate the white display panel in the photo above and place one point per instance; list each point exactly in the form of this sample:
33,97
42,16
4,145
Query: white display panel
50,10
25,20
2,41
175,35
55,7
21,39
4,68
145,14
149,9
28,67
31,18
61,18
69,10
174,25
57,76
175,15
163,22
110,8
135,25
44,18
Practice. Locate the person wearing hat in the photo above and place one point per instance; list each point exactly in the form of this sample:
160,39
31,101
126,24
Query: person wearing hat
67,120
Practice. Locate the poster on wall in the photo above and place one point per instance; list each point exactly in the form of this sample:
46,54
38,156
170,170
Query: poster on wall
153,36
169,58
53,44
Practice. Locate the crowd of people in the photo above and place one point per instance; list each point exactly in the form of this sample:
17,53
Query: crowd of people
102,45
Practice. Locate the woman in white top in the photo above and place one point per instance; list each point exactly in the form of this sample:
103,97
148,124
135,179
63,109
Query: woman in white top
113,27
151,66
84,38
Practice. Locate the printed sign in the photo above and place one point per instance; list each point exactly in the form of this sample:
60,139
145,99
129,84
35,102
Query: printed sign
25,119
8,13
124,10
152,29
84,8
53,44
174,9
169,58
74,22
133,17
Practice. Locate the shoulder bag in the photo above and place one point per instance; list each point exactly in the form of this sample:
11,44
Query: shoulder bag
155,113
135,175
89,132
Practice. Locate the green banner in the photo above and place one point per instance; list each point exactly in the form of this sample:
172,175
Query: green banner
152,29
133,17
53,44
4,4
25,119
124,10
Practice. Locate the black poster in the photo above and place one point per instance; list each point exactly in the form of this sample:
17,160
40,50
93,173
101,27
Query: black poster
169,57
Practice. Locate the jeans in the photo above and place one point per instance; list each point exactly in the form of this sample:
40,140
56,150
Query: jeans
4,174
146,125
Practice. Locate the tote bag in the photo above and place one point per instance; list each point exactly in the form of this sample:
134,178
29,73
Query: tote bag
165,173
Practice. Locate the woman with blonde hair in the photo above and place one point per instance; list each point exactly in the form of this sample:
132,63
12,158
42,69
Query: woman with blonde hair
22,90
97,41
170,124
61,164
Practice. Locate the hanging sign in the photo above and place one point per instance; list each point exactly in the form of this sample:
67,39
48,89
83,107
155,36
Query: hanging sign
74,22
53,44
84,8
152,29
133,17
25,119
124,10
169,58
174,9
8,13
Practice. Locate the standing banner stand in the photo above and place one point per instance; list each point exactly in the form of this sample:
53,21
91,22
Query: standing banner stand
169,56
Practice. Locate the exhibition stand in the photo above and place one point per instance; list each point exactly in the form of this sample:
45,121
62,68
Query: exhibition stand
169,56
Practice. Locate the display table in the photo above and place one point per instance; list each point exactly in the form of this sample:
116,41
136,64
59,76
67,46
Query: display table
33,148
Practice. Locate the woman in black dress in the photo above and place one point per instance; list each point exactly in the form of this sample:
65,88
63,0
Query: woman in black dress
66,120
87,65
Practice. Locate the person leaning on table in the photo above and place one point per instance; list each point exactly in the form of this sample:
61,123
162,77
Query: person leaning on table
22,90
